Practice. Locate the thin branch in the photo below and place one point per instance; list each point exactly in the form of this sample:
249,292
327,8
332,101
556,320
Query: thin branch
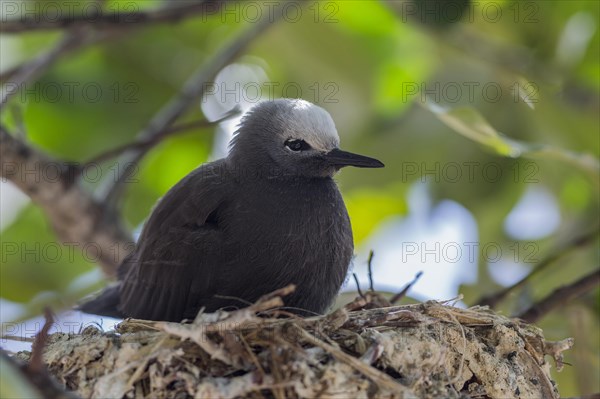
72,212
407,287
36,363
493,300
358,285
16,111
30,70
100,18
192,90
561,296
33,378
370,269
9,72
145,145
75,38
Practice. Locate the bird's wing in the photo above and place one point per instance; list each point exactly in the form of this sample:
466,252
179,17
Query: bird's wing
170,271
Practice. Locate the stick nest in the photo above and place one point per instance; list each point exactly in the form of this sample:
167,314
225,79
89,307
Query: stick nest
366,349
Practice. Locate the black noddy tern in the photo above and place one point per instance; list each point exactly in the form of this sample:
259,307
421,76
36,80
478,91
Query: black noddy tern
266,216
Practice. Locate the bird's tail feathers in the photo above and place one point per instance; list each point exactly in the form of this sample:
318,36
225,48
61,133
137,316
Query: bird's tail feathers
105,304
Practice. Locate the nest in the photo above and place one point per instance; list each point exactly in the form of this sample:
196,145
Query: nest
362,350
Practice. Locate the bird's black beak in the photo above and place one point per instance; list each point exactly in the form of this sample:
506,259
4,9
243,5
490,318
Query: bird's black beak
339,159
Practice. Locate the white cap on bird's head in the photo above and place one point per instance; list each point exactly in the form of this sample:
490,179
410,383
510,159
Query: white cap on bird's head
294,135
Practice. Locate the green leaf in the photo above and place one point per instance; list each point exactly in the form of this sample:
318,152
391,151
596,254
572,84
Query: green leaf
470,123
363,17
368,207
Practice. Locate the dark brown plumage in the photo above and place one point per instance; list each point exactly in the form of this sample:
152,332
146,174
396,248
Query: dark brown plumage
267,215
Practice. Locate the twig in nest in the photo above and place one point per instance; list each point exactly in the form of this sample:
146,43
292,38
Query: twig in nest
358,285
285,291
35,372
370,269
36,363
379,377
560,296
16,338
455,320
357,304
284,308
407,287
234,298
556,349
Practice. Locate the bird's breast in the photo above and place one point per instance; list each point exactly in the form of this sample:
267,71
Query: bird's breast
274,235
299,225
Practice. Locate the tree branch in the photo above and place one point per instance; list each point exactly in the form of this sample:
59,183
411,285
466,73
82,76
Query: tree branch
407,287
493,300
30,70
560,296
36,362
192,90
145,145
73,213
99,18
370,269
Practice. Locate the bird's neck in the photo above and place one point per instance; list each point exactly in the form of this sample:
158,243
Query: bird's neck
258,169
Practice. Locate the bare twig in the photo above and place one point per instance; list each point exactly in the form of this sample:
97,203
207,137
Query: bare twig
74,215
99,18
281,292
493,300
15,338
36,364
145,145
370,269
561,296
379,377
358,285
407,287
80,35
16,112
192,90
29,71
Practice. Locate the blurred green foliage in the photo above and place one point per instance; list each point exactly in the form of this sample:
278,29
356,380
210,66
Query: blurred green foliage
522,68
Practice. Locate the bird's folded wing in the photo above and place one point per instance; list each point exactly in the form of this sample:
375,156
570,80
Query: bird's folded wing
169,273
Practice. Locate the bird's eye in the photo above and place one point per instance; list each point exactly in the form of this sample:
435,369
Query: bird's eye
297,145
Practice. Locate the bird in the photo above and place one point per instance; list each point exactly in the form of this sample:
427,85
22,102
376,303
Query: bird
267,215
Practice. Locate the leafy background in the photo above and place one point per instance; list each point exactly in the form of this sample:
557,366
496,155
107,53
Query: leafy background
388,75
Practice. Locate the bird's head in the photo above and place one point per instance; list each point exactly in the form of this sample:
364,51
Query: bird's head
292,137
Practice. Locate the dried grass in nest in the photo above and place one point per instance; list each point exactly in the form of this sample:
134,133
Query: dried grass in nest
426,350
